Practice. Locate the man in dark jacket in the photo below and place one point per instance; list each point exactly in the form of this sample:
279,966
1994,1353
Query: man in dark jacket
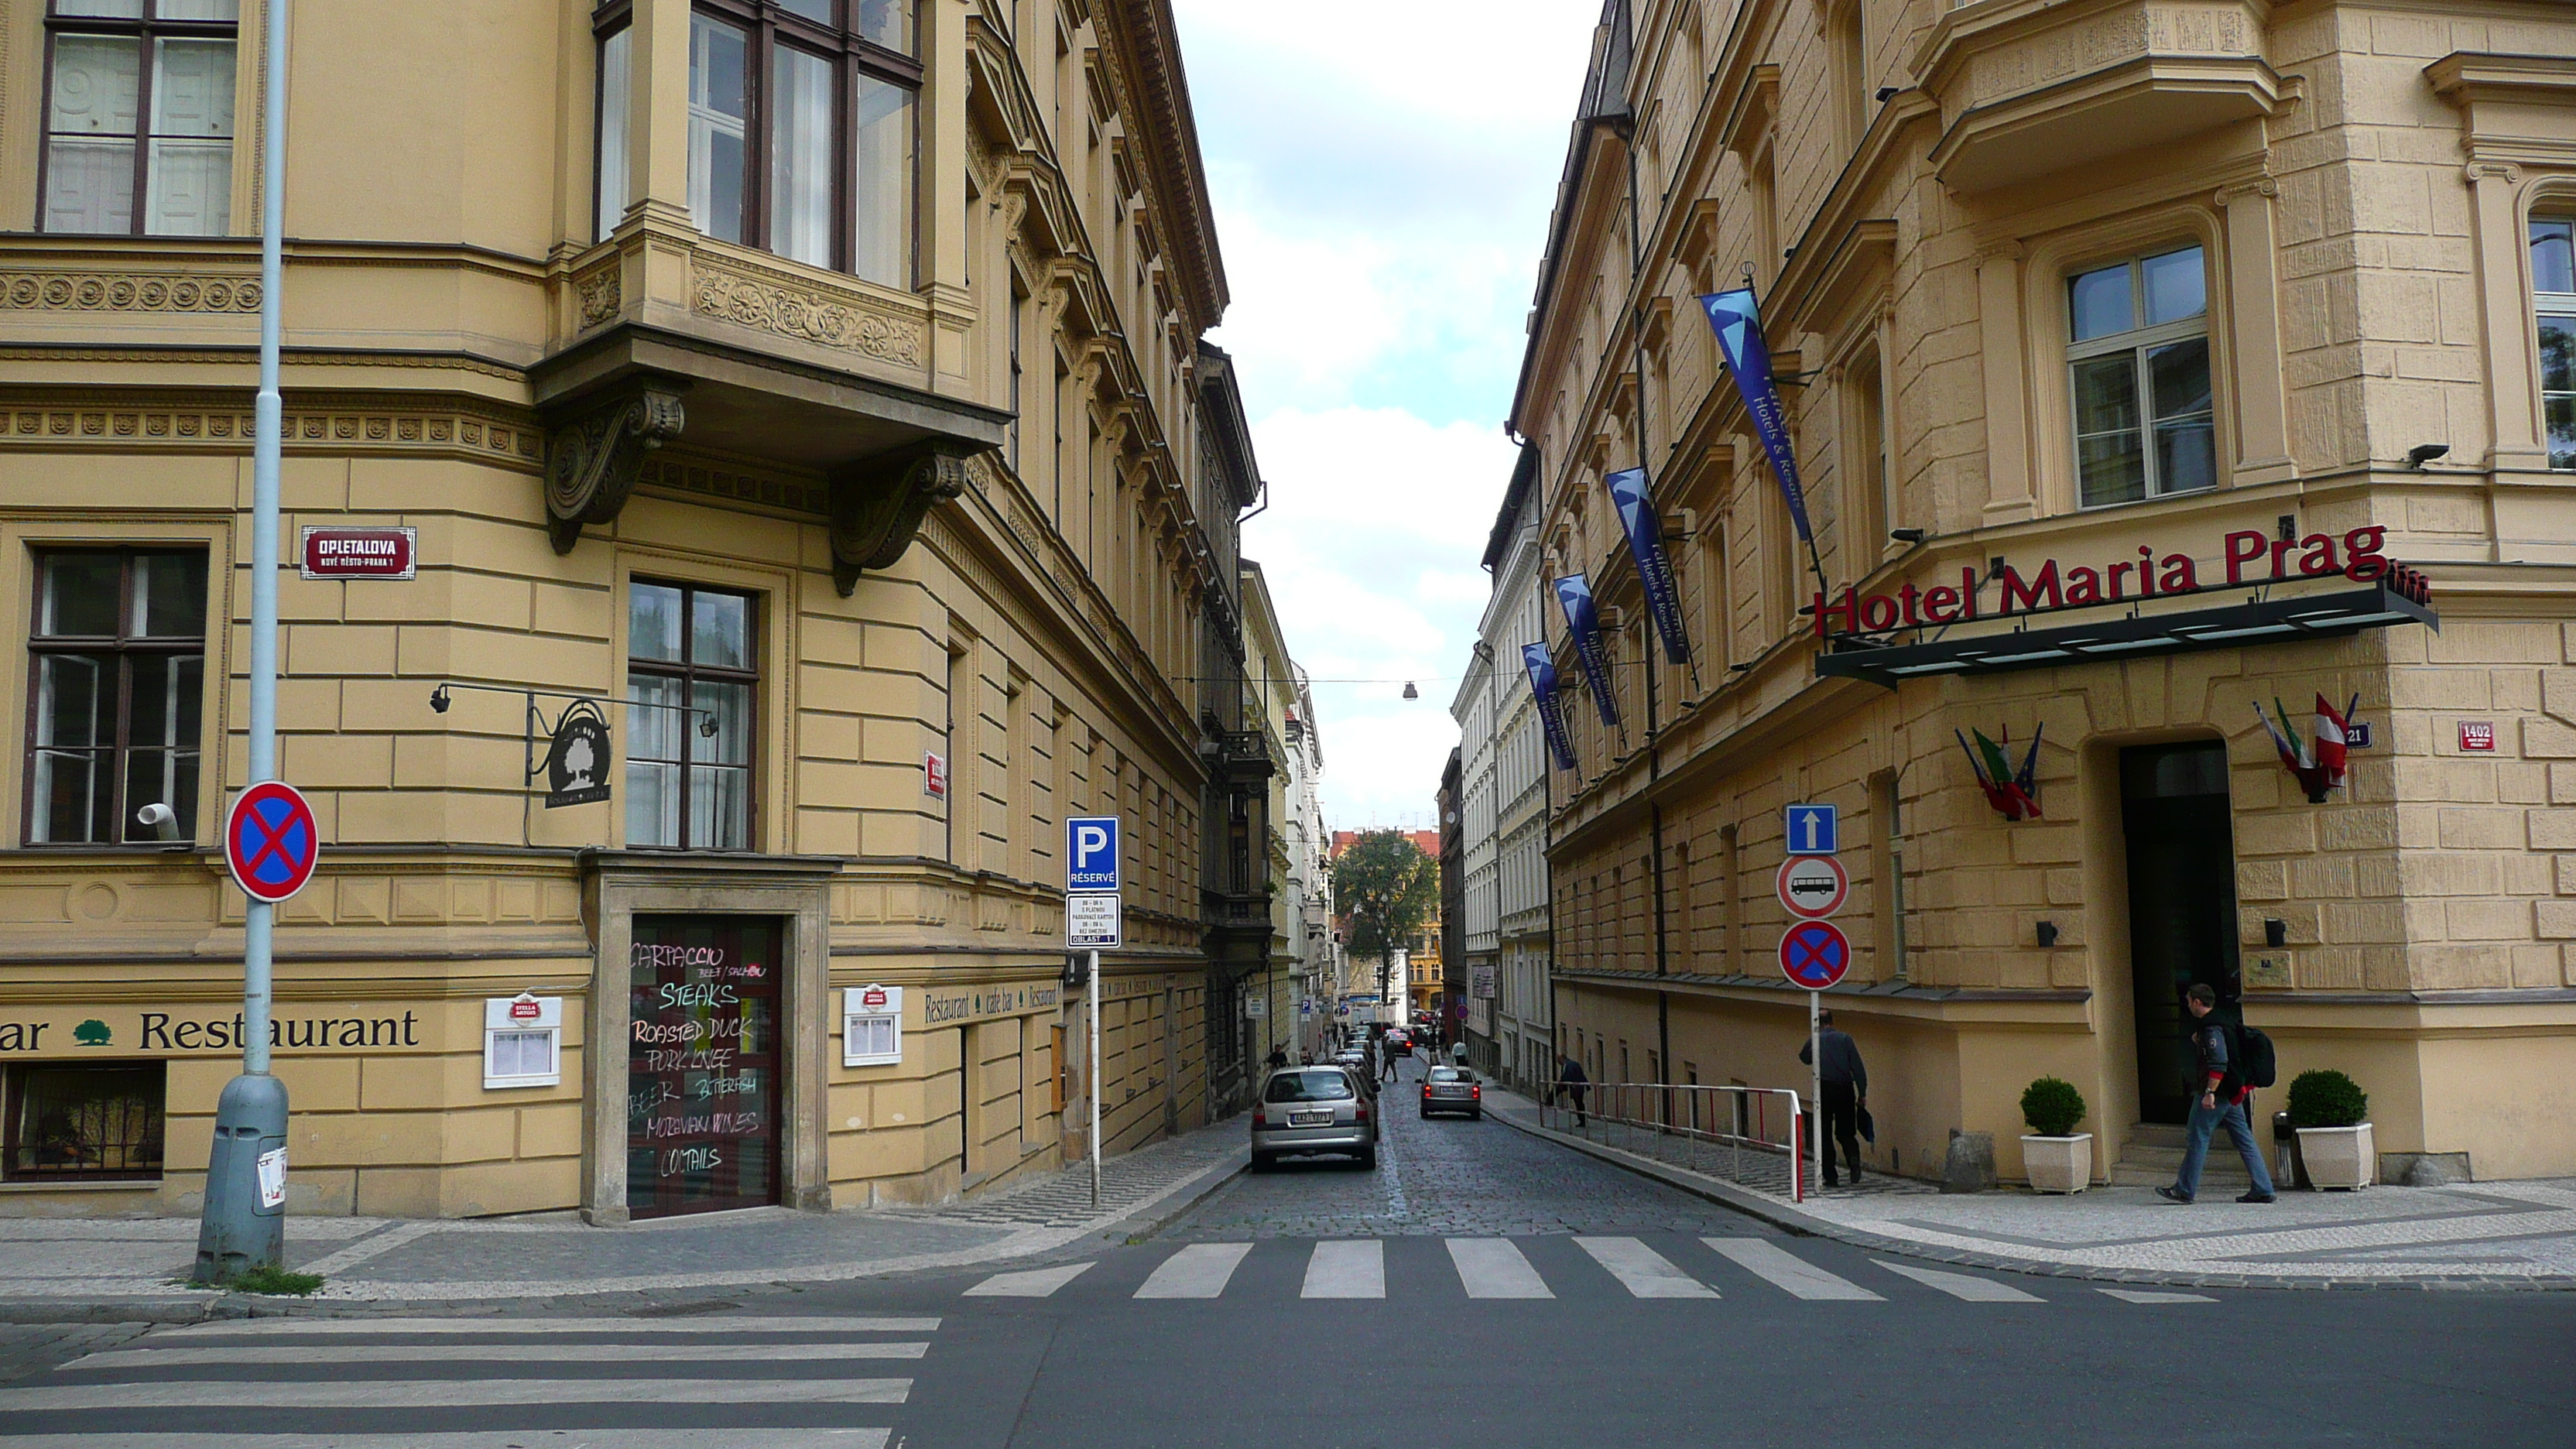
1846,1082
2222,1103
1571,1083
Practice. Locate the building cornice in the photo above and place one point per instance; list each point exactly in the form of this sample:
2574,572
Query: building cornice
1145,42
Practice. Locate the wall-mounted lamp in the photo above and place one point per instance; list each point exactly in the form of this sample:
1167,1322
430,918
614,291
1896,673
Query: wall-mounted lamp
1410,692
2423,453
2047,933
1886,93
439,699
2276,932
1908,535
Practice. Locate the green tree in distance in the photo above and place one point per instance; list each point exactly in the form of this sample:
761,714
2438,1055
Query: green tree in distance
1387,888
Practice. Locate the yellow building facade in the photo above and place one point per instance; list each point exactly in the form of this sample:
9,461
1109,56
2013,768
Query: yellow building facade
2055,290
809,391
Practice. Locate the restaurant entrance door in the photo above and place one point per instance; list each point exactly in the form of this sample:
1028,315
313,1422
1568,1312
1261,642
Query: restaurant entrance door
703,1064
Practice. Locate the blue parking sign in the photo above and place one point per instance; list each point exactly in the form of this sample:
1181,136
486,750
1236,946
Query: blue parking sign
1812,830
1091,853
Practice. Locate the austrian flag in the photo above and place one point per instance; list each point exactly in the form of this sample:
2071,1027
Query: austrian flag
2317,764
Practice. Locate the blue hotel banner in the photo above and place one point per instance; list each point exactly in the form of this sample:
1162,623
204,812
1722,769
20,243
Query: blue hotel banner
1551,710
1738,321
1654,568
1583,616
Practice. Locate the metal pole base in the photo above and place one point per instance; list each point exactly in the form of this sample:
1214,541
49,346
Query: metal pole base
240,1231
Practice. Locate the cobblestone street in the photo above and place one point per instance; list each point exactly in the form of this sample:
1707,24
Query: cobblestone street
1448,1176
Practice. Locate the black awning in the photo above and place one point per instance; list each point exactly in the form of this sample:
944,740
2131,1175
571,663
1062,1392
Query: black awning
2255,621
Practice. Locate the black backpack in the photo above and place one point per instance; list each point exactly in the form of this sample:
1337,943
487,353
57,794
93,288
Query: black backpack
2254,1064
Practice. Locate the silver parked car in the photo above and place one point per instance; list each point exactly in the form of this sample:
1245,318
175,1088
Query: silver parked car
1452,1089
1313,1109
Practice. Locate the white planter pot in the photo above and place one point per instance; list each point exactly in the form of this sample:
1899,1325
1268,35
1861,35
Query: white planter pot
2338,1157
2058,1164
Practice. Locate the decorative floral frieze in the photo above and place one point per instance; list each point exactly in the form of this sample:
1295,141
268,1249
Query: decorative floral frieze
127,292
224,430
844,322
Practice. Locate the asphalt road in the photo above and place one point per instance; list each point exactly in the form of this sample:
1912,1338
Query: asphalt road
1481,1288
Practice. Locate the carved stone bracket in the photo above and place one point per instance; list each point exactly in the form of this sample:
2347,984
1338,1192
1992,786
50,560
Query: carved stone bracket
594,457
877,507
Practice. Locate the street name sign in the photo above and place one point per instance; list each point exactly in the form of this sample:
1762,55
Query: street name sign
270,841
1814,830
1815,954
1091,922
1091,853
1813,886
361,553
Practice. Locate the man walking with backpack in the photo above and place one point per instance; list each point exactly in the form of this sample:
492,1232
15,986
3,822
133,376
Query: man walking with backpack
2224,1092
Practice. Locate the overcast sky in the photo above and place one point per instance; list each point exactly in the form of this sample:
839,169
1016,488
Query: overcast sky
1382,175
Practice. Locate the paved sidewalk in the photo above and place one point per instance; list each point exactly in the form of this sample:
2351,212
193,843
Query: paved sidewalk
2473,1235
108,1268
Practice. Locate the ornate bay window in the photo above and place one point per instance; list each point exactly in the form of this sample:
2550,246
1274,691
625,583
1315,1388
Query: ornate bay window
802,128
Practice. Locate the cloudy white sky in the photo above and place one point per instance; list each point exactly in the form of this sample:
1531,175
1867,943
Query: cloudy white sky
1382,172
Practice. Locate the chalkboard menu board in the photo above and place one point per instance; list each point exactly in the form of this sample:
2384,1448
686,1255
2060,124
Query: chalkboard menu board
702,1064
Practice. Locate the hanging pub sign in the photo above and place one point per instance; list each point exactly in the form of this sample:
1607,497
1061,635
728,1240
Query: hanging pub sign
2296,587
1583,616
1551,709
577,760
1654,568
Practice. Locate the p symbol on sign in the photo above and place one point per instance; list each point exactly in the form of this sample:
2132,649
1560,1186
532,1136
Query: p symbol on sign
1087,842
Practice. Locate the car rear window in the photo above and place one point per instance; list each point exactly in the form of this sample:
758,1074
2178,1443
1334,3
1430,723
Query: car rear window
1444,1074
1308,1087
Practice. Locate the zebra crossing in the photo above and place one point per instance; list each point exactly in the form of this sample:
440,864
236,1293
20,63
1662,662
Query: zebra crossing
1500,1269
481,1383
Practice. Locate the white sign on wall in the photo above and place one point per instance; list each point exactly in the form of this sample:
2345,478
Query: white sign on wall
522,1042
872,1026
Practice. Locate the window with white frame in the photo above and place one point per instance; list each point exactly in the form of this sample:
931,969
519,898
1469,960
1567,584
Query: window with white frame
522,1042
872,1026
2138,373
2553,286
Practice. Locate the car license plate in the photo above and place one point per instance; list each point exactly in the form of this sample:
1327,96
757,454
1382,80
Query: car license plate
1309,1119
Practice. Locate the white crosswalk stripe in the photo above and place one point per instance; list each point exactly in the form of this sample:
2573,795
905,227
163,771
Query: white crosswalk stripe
1643,1271
1200,1270
483,1439
1036,1283
568,1369
1966,1287
1493,1268
730,1327
1788,1272
2134,1295
1341,1269
449,1393
299,1353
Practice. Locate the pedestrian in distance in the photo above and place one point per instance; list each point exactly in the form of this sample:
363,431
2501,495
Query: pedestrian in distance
1846,1084
1388,1058
1278,1058
1571,1083
2225,1101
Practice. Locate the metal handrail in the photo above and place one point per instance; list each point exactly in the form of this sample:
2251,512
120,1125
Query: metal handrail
1675,1113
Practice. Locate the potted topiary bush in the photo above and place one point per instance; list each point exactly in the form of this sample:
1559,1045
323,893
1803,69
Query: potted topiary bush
2056,1157
2330,1112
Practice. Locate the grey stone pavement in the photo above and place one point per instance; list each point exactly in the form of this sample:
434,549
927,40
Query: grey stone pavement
2471,1235
137,1267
